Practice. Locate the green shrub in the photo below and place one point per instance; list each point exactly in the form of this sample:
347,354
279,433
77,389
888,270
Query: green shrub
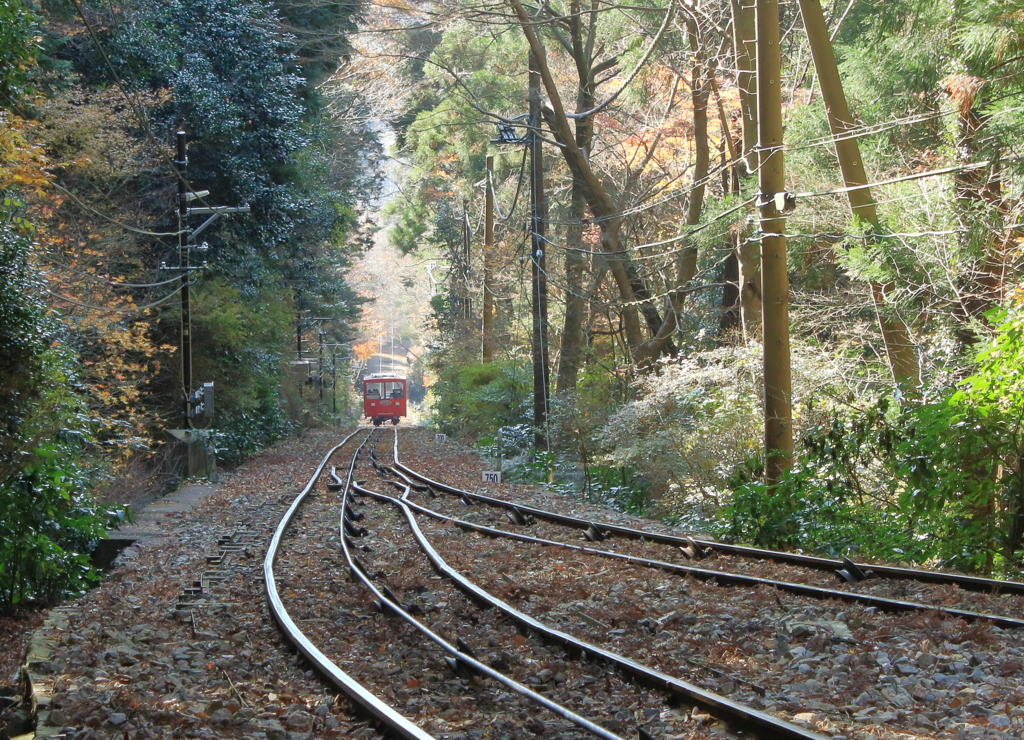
934,480
49,523
477,399
48,519
242,435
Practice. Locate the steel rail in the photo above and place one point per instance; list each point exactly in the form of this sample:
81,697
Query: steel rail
726,578
970,583
767,726
356,692
460,656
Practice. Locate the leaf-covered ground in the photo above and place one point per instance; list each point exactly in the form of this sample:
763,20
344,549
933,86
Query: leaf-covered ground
137,657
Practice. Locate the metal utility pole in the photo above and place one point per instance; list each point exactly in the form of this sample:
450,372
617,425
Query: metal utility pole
538,261
183,256
898,346
487,338
773,201
333,346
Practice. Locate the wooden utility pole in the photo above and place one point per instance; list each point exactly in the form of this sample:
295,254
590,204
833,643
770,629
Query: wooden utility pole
778,412
538,261
487,332
898,345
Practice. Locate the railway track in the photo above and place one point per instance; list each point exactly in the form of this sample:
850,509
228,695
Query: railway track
726,564
920,654
491,666
443,612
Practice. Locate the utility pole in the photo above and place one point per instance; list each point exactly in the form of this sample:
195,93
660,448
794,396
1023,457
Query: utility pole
333,346
773,201
184,258
487,339
538,261
898,346
200,402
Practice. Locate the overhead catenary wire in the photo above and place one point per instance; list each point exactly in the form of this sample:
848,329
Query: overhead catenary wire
107,281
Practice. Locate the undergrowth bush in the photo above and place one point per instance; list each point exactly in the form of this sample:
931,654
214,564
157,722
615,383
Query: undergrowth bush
697,418
936,480
49,520
477,399
241,435
49,523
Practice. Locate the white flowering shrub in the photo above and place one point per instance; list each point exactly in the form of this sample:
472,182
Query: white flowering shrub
696,418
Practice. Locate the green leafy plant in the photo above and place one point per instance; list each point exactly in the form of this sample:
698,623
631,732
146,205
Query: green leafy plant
49,523
934,480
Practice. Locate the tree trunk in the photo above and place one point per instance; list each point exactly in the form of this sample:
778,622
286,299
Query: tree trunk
748,251
487,330
778,413
745,45
686,263
597,197
575,304
538,261
899,347
730,317
979,205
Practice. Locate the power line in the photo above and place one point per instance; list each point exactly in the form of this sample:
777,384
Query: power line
106,281
811,194
916,176
113,309
114,221
515,200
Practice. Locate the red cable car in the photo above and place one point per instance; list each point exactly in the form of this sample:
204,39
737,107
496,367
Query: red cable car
384,398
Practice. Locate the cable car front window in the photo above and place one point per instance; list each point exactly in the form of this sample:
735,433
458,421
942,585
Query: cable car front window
373,390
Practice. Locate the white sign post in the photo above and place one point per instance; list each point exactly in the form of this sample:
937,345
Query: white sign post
492,476
440,437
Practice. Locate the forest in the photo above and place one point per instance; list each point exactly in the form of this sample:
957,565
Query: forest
751,268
